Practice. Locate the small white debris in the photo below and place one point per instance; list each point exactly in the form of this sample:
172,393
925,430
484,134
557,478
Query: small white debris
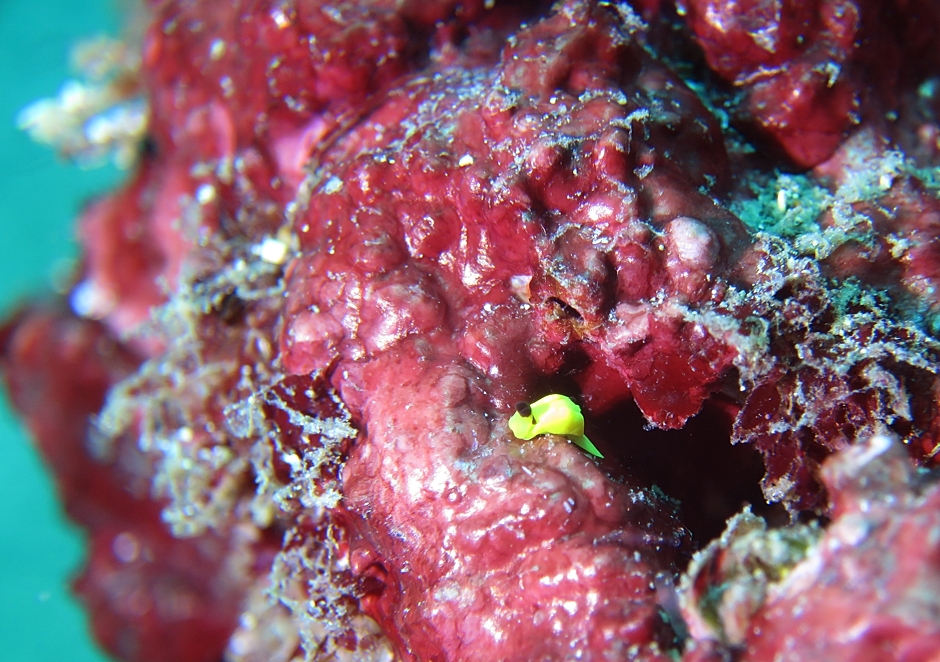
332,185
272,251
90,301
205,194
280,18
465,160
217,49
227,85
292,461
643,171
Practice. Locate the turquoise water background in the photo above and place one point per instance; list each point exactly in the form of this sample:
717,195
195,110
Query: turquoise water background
39,199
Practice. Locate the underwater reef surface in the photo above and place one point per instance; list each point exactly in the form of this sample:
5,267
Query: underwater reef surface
357,234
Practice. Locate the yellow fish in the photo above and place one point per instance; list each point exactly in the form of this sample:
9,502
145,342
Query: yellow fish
553,414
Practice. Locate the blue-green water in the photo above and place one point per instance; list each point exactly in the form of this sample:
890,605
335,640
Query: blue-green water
39,198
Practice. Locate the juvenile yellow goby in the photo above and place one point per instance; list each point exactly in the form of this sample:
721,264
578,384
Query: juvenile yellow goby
553,414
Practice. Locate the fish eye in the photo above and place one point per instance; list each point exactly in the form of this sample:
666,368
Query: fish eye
524,409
